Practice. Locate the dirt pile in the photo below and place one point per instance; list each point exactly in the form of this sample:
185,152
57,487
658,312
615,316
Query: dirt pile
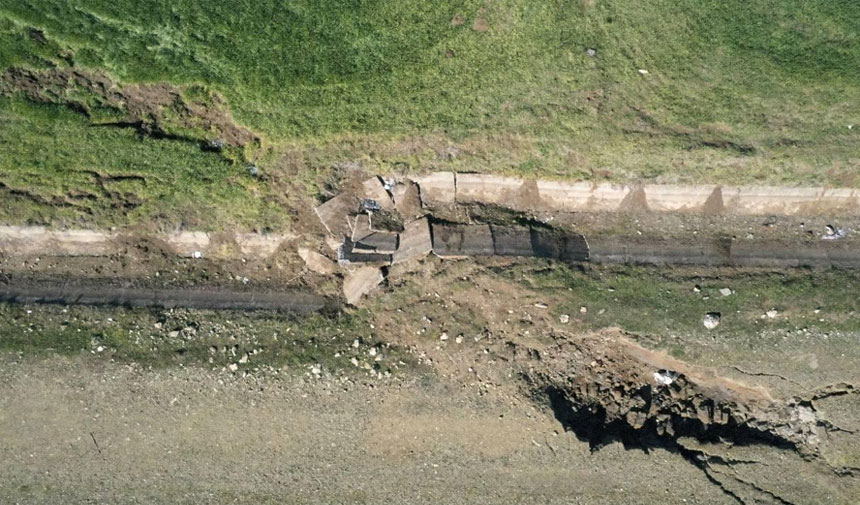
605,387
160,110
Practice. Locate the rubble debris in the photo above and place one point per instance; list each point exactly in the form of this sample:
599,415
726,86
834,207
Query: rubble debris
377,242
335,212
346,255
437,188
317,262
665,377
512,241
415,241
360,282
462,240
833,233
370,205
640,395
407,202
711,320
373,190
361,227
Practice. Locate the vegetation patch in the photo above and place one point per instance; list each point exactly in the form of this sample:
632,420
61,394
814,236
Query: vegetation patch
234,340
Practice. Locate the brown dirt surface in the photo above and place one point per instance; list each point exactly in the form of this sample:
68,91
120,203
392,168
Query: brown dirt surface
82,430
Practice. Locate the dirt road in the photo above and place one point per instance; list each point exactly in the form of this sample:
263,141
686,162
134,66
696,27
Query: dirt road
82,431
100,294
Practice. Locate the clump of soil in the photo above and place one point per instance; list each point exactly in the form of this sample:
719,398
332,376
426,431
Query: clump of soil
160,110
606,387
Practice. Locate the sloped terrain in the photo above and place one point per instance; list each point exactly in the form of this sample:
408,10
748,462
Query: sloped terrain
704,92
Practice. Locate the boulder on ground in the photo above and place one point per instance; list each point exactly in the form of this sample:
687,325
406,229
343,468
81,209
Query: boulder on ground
359,282
317,262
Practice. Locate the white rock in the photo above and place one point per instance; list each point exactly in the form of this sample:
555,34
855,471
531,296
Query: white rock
564,318
664,378
197,255
459,339
100,349
244,358
711,320
583,310
372,351
771,314
643,71
233,367
354,361
443,336
316,370
355,344
725,291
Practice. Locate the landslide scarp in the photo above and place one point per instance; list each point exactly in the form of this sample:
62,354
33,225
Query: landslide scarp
605,387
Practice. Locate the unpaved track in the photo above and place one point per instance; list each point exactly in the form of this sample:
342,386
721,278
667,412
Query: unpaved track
190,436
94,294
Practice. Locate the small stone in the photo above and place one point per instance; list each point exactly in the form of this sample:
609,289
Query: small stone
197,255
771,314
583,310
459,339
711,320
244,358
443,336
696,288
591,52
316,370
664,377
233,367
354,361
725,291
355,344
100,349
372,351
642,71
564,318
173,334
157,326
541,305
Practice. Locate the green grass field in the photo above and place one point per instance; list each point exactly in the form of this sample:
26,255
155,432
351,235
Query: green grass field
735,91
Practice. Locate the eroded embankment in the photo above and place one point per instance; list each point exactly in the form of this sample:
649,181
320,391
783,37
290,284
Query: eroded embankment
385,221
605,386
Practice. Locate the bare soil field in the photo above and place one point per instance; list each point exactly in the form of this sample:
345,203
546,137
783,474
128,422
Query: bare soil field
507,377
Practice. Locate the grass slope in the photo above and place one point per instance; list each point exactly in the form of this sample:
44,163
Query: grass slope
735,91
